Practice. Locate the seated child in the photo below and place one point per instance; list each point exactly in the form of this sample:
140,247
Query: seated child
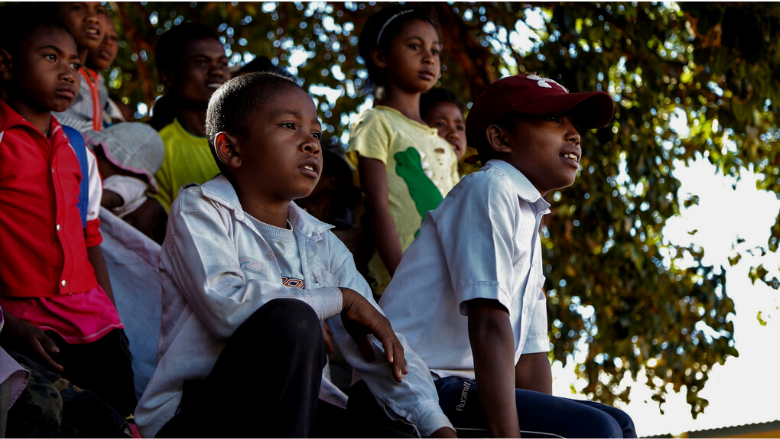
53,275
247,278
192,64
85,22
128,155
478,256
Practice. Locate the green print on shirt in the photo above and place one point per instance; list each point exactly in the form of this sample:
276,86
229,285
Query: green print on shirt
425,194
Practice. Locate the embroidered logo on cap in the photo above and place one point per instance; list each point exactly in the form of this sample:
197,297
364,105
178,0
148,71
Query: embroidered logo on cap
545,82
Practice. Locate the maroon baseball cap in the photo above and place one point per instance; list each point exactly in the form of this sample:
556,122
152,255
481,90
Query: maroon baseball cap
533,95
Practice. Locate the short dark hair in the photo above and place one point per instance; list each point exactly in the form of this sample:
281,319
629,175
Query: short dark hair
263,64
19,22
434,97
167,53
389,21
234,102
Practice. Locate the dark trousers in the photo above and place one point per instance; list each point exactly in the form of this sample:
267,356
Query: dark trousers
103,366
265,382
540,415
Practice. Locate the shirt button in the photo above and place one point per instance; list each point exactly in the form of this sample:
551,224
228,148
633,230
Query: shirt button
64,282
58,227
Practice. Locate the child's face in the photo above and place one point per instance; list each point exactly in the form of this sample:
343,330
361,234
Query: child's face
203,69
545,149
44,75
102,56
281,158
447,118
85,22
413,63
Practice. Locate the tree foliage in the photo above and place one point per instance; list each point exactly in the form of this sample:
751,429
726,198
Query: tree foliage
617,289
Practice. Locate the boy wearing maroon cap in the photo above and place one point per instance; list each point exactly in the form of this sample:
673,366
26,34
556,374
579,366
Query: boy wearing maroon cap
478,256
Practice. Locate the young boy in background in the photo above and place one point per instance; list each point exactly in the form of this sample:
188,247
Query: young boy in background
53,277
478,256
85,21
247,278
192,64
441,109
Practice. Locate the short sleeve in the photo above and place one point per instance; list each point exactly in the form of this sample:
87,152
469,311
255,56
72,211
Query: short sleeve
371,136
482,215
92,234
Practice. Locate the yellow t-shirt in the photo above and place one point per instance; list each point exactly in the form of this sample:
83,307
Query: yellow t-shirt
421,170
187,160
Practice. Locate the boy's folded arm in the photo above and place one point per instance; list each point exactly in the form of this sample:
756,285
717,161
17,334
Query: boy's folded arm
415,398
206,269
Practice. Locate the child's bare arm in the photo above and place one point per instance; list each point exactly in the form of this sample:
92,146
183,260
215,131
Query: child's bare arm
533,372
373,180
492,344
111,199
95,256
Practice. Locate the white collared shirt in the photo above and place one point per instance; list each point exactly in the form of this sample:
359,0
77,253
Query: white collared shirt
217,270
481,242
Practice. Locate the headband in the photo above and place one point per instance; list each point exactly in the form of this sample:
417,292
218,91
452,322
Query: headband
379,36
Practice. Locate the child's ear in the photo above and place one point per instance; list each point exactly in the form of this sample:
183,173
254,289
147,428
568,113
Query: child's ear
6,64
166,77
497,139
378,57
227,150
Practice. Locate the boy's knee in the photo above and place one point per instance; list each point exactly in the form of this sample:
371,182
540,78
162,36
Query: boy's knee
603,425
294,321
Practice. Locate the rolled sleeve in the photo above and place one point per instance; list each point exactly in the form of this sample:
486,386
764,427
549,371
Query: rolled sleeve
92,236
414,399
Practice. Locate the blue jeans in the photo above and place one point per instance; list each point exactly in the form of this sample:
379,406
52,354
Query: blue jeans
539,414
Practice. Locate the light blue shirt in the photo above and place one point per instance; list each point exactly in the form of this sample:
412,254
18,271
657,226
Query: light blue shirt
217,270
481,242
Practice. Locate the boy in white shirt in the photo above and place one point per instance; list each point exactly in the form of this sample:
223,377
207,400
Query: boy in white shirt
247,277
468,293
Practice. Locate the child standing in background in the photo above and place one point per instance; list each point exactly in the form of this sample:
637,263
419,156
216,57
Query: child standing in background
405,168
100,59
441,109
85,22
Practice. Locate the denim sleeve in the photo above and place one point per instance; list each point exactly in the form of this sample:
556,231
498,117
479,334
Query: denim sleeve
206,269
414,399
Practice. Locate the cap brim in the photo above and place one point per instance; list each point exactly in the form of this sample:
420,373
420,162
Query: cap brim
588,110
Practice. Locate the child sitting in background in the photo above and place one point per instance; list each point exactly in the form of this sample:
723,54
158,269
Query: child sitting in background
442,110
129,154
247,278
405,168
192,64
85,22
53,276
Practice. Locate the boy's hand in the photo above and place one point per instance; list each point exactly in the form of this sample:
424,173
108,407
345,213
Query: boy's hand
360,319
28,339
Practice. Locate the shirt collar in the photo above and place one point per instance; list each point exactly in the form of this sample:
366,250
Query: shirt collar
9,118
524,188
221,191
